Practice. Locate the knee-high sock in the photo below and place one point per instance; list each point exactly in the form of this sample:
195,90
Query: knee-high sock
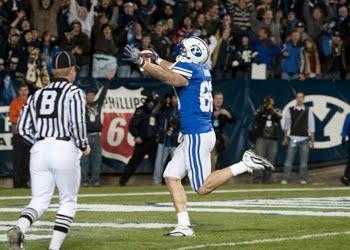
60,230
27,218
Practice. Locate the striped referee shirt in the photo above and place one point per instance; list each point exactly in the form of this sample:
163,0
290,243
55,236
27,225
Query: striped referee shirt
56,111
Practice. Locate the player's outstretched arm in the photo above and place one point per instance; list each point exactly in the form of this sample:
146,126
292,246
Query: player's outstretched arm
154,70
165,76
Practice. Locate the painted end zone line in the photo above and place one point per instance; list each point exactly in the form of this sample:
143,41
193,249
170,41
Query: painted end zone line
189,192
232,244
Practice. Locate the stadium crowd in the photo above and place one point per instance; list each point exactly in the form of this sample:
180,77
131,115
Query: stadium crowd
290,37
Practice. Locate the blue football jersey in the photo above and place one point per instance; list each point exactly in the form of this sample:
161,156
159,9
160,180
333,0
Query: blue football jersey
195,99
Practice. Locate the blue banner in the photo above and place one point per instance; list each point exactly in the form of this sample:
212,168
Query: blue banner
328,101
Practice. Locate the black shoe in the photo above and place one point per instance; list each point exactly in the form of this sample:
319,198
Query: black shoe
15,238
345,181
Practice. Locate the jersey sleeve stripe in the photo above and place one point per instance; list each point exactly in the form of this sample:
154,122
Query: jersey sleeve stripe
187,75
186,70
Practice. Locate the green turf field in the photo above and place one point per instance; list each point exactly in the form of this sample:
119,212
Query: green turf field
239,217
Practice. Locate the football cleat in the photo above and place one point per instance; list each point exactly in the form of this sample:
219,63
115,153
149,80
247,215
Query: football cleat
15,239
181,231
256,162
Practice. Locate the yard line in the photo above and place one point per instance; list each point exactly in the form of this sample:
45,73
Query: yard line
114,208
253,242
3,238
32,229
190,192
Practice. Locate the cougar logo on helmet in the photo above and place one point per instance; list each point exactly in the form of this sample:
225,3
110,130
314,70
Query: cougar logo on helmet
196,50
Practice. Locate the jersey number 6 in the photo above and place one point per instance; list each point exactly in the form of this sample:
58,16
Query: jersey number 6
205,98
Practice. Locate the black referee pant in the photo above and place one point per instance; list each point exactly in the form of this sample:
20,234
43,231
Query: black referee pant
21,153
147,147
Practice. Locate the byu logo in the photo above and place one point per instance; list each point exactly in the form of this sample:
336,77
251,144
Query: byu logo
196,50
330,113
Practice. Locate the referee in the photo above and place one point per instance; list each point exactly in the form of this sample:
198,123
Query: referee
53,121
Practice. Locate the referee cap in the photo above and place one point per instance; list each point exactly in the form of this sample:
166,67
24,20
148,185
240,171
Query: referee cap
64,59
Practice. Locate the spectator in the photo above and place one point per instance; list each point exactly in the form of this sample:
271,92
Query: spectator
186,29
299,131
222,55
44,15
21,148
81,14
105,43
49,48
62,19
212,20
198,8
36,72
220,118
268,49
344,21
94,128
345,134
170,28
267,22
21,16
315,20
226,22
10,52
310,67
212,42
267,119
169,125
291,57
106,8
145,43
143,127
343,15
126,19
241,16
79,44
334,61
161,43
167,12
102,20
291,23
145,12
25,25
200,26
300,27
244,57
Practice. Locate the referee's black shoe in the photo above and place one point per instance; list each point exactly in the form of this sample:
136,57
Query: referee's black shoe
345,181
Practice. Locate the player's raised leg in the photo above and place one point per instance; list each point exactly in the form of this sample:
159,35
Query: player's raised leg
250,162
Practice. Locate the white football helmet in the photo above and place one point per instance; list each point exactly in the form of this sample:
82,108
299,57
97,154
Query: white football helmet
194,49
